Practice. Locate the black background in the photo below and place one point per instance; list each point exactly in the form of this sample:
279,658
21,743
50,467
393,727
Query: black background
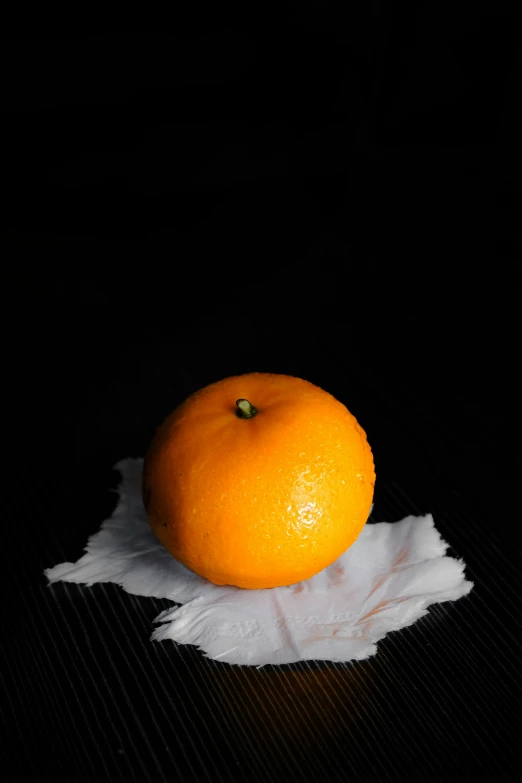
332,197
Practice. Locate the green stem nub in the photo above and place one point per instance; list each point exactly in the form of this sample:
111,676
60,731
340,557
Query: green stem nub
245,409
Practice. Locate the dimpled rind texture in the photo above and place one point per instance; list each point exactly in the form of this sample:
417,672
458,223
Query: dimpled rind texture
260,502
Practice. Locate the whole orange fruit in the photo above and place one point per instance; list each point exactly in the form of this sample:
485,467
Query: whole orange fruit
258,480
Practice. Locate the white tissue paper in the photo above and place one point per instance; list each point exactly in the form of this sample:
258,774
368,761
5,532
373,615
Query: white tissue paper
383,582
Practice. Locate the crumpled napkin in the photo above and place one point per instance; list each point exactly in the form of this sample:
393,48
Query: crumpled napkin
383,582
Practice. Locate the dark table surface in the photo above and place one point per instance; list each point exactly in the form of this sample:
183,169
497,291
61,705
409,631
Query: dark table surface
337,204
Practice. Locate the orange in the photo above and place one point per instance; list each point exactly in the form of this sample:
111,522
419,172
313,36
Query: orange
258,480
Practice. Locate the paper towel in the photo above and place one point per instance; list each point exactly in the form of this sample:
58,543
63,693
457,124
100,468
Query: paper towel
383,582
